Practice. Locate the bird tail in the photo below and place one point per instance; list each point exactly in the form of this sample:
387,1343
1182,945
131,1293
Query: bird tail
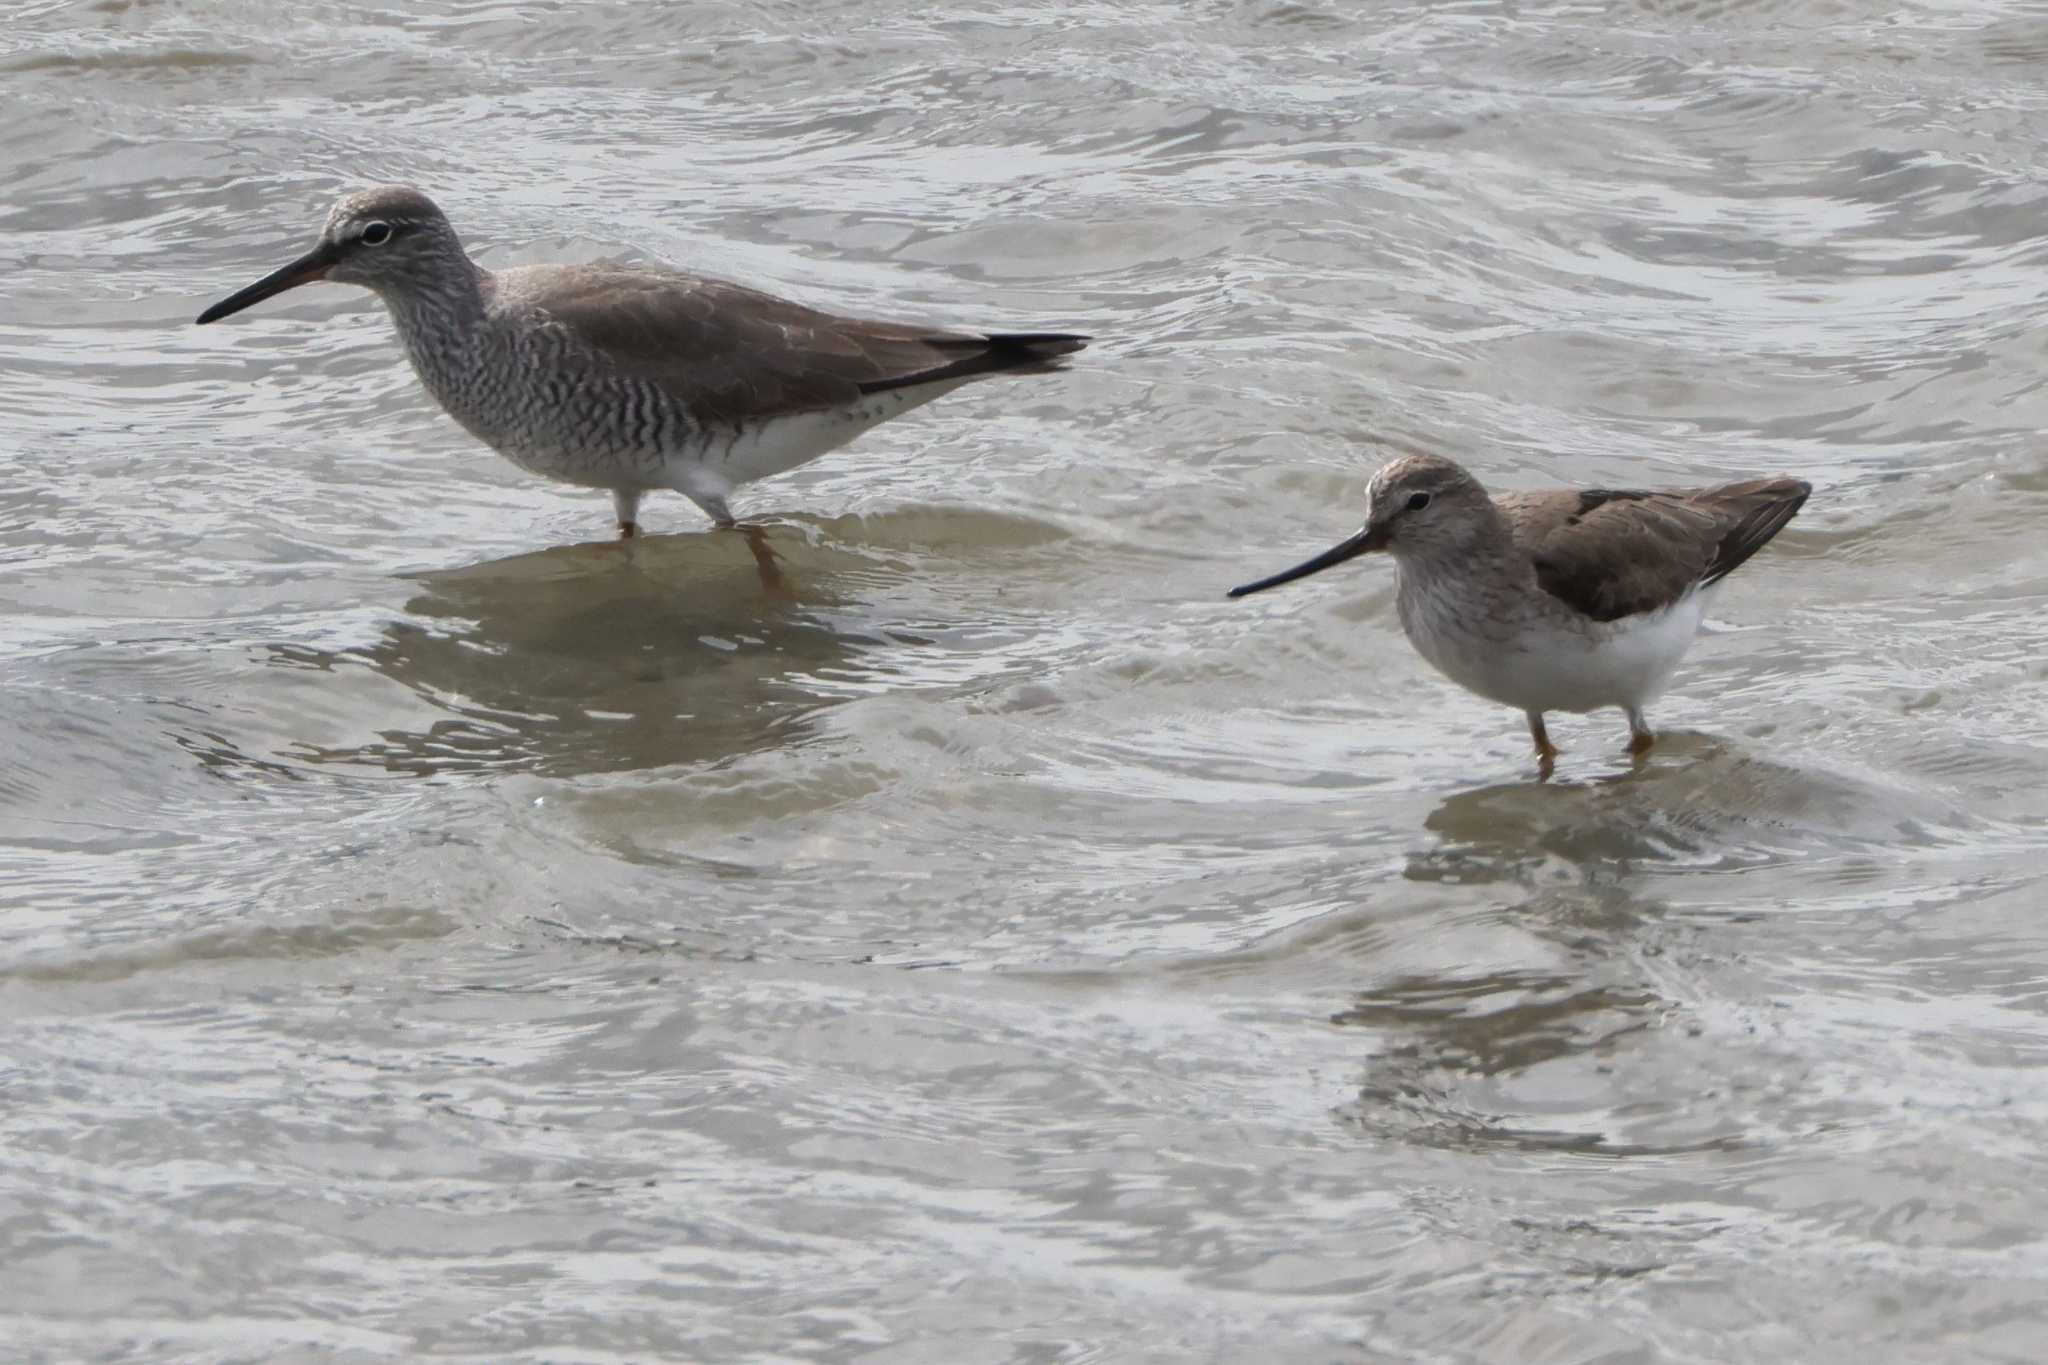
996,353
1039,346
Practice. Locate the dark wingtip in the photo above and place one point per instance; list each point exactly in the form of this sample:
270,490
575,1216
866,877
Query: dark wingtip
1041,345
1781,500
996,353
1791,496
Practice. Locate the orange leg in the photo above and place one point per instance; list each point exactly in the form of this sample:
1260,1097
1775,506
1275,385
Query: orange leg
1546,752
1640,736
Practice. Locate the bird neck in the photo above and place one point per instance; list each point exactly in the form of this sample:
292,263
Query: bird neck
440,322
1456,568
450,303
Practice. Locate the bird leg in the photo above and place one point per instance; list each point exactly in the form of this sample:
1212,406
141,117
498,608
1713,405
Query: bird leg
1546,752
626,507
1640,736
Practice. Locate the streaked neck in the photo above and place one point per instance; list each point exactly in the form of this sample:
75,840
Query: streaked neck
450,303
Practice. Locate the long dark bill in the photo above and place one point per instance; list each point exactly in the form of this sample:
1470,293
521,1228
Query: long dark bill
1370,539
312,266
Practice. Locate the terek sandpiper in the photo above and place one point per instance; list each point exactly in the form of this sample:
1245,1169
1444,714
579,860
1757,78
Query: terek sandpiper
631,379
1560,600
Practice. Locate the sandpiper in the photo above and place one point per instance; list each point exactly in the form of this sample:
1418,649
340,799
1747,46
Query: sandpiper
631,379
1561,600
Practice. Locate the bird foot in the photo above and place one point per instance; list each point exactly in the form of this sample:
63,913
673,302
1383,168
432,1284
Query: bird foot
1640,743
628,529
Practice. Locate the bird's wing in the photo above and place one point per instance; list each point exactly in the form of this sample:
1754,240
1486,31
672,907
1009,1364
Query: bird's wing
1610,553
734,355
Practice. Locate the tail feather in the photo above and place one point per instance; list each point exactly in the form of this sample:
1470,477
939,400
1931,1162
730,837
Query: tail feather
1041,345
996,353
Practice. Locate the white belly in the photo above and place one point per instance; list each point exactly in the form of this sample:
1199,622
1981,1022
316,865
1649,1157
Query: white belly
782,443
1549,662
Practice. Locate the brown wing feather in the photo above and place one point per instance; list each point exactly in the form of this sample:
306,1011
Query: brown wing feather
732,354
1755,511
1611,553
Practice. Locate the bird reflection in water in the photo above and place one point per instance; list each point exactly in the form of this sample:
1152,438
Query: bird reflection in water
604,658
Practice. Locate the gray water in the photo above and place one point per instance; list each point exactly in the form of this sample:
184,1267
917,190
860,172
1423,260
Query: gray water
430,933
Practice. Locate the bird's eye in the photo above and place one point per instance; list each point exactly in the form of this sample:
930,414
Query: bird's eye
1417,501
376,234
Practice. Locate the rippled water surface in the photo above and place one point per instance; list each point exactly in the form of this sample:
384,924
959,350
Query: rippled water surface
431,933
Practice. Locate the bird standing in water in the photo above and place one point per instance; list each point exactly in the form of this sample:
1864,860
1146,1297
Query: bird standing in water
630,379
1562,600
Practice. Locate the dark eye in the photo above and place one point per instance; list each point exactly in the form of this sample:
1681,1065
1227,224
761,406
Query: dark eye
1417,501
376,234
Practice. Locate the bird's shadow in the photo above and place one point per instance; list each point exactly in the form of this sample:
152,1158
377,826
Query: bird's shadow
619,656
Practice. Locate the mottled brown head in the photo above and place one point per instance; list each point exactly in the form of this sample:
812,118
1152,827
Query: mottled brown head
392,239
1421,503
1417,504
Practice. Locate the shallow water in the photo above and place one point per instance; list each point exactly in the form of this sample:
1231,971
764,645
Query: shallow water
431,934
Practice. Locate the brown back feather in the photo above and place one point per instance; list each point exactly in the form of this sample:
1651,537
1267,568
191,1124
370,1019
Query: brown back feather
732,354
1613,553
